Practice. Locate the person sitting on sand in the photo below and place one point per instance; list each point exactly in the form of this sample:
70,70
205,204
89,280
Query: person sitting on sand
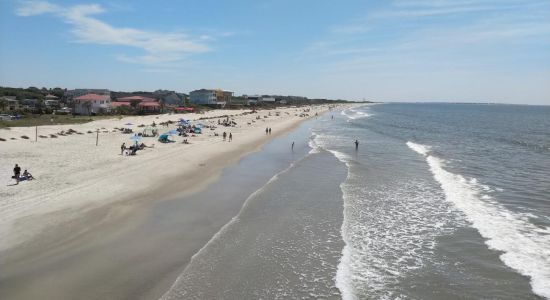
27,175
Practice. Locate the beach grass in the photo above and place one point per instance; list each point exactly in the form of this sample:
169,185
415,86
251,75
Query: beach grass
39,120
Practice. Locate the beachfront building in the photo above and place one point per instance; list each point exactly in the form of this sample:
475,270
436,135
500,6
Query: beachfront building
89,104
29,104
267,99
216,98
10,103
145,105
252,99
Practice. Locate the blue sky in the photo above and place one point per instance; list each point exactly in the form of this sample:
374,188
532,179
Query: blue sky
393,50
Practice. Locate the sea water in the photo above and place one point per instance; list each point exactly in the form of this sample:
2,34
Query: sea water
439,201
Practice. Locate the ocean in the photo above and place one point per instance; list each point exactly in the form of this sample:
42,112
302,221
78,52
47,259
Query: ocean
439,201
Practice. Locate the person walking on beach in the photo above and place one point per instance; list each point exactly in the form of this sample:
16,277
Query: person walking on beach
266,130
16,173
230,137
270,130
122,148
224,136
356,145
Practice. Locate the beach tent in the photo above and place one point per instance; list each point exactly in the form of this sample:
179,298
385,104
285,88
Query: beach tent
149,131
163,138
197,130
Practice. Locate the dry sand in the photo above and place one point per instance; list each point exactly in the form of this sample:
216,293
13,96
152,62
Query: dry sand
72,173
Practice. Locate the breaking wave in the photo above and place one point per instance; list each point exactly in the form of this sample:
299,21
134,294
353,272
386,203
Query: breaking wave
525,246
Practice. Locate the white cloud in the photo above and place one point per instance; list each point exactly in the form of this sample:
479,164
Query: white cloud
34,8
160,47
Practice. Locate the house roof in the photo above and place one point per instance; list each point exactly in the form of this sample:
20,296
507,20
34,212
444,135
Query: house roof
93,97
136,98
118,104
149,104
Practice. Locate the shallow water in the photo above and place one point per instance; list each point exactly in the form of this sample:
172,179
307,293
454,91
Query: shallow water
440,201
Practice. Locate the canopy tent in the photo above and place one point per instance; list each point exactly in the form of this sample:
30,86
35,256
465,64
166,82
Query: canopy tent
149,131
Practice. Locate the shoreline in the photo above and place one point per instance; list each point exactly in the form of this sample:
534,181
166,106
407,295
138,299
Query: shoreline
110,219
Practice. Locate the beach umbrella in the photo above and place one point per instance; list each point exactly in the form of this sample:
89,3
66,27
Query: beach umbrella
128,124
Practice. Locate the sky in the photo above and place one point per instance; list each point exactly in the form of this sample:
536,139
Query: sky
385,50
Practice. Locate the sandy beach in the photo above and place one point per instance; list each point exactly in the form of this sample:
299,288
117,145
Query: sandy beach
83,194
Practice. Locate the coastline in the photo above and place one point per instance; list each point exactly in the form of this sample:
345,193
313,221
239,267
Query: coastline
87,225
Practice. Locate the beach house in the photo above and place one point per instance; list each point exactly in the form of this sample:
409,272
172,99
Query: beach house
11,104
142,104
89,104
216,98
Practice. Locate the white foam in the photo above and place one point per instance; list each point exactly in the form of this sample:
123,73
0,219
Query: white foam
525,246
424,150
354,114
315,148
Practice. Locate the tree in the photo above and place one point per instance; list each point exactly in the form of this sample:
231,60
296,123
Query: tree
3,104
134,104
88,106
162,104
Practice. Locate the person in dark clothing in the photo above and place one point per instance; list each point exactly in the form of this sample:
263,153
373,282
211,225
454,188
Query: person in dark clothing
270,130
224,135
266,130
356,144
16,173
122,148
230,137
292,147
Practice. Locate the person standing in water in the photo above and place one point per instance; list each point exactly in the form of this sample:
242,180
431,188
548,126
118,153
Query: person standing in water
356,145
292,147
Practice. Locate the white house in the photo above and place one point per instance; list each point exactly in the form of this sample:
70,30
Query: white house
218,98
92,104
266,99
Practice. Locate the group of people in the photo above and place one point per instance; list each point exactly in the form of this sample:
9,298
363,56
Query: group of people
20,177
225,136
132,149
